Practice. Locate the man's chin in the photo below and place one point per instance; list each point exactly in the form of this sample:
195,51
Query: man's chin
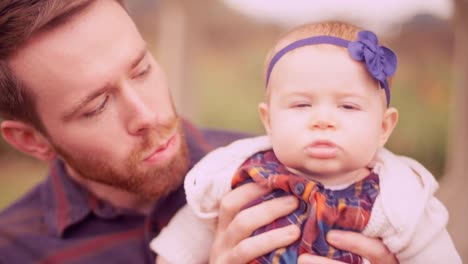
162,179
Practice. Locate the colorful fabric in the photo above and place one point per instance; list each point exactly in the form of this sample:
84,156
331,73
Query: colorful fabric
60,222
320,209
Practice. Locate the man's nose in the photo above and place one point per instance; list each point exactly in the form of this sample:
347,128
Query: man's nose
139,114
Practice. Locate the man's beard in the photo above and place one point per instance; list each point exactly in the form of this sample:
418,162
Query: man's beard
153,183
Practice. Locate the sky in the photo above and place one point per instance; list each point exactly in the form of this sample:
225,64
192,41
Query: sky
378,15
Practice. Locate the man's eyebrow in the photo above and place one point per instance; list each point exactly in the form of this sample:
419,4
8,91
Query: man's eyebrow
139,58
77,106
81,103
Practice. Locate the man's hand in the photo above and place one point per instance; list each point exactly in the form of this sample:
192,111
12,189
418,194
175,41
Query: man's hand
372,249
233,243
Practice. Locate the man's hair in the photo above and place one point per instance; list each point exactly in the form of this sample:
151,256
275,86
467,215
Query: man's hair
20,20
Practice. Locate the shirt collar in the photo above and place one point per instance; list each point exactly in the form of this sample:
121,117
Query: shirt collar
65,202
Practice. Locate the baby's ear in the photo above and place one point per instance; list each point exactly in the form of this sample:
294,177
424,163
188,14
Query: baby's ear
27,139
264,116
389,122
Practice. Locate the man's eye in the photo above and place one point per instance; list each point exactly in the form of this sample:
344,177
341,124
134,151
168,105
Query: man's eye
98,110
144,72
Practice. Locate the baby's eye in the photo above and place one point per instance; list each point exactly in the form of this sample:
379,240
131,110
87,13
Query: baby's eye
301,105
349,107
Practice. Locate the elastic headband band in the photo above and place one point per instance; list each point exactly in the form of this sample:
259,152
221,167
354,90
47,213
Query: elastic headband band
381,62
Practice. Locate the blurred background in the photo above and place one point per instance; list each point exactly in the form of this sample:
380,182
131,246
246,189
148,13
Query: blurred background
213,52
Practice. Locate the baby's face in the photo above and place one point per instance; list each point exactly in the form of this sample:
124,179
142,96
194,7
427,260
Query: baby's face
325,114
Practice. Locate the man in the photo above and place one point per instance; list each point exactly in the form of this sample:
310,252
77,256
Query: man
79,88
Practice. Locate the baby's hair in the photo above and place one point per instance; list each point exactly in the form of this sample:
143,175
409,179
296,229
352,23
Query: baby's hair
330,28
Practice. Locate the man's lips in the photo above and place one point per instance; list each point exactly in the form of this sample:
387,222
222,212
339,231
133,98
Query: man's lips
163,151
322,149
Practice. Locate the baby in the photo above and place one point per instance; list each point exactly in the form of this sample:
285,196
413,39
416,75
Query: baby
327,116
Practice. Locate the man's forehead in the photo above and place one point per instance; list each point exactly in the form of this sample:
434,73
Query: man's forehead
94,27
99,40
66,14
66,10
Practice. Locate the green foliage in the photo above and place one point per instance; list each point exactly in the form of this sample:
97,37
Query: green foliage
229,92
421,94
18,175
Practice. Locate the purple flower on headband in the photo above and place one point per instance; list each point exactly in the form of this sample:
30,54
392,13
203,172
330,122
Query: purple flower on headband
380,61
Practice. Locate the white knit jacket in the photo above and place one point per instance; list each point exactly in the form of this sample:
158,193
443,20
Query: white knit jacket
406,215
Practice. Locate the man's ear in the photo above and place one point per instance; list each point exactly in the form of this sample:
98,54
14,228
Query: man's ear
27,139
265,116
389,122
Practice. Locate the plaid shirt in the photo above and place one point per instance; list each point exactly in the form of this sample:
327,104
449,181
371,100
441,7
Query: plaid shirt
320,209
60,222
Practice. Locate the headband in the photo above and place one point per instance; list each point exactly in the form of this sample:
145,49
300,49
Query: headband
380,61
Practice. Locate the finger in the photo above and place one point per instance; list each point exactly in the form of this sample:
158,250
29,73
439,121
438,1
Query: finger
259,245
372,249
237,199
252,218
311,259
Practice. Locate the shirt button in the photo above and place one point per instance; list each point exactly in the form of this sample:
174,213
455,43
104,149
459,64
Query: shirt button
299,189
302,206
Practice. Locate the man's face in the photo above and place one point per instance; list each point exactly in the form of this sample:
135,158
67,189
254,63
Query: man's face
104,101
